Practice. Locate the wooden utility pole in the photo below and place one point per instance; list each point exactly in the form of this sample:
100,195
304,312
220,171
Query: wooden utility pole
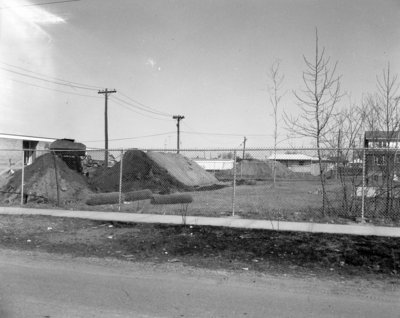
178,119
106,92
244,146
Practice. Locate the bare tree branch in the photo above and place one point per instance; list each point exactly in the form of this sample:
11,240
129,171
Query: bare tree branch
317,103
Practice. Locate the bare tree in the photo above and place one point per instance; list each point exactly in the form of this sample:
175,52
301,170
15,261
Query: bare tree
348,128
275,95
317,103
383,121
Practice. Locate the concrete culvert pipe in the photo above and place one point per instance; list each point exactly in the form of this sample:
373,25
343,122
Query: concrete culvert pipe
138,195
103,198
175,198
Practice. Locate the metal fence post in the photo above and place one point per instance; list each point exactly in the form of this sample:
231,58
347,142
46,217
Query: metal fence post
56,177
22,178
363,188
234,184
120,180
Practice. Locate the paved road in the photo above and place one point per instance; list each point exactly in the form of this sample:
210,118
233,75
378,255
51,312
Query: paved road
44,285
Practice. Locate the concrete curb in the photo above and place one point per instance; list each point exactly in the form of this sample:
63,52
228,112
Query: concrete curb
352,229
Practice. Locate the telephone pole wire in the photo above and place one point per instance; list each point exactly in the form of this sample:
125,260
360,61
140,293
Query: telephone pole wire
178,118
106,92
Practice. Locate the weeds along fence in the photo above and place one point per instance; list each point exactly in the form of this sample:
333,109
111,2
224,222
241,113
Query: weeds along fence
325,185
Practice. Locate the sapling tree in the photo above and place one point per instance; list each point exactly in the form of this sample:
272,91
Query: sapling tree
317,102
275,95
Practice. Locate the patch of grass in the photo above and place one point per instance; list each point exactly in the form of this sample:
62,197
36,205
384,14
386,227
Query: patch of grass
288,201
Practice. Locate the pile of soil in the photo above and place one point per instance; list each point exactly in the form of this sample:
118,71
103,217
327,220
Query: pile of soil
183,169
261,170
48,179
139,172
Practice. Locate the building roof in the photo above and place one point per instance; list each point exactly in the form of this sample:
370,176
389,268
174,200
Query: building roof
215,164
292,156
24,137
212,160
381,135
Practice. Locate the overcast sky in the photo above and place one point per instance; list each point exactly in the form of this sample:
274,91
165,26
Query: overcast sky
206,60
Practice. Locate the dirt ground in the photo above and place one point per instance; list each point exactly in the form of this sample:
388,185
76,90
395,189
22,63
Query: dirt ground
160,172
48,179
183,169
208,247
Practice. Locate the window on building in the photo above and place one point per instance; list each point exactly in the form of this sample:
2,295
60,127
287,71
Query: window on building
380,160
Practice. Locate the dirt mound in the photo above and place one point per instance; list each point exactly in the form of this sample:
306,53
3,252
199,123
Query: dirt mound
159,172
256,169
139,172
41,182
183,169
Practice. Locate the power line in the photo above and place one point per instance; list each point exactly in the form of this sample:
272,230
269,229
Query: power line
53,89
222,134
146,109
50,77
68,84
135,111
60,81
149,110
130,138
38,4
204,138
141,104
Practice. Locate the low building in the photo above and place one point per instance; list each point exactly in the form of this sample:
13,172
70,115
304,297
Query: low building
15,149
293,159
301,163
215,164
382,155
296,162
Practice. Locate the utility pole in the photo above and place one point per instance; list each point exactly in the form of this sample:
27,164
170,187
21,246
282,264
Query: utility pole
106,92
244,146
178,118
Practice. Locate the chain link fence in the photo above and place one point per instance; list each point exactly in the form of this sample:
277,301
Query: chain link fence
303,185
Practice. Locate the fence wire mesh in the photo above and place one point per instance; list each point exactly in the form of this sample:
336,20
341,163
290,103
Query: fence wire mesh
312,185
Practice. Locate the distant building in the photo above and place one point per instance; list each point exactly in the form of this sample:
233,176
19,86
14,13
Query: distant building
15,149
382,139
382,157
293,159
215,164
96,158
298,162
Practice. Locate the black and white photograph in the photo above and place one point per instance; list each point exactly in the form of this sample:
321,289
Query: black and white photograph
199,158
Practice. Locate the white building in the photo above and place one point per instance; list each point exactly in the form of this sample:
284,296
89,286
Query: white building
215,164
15,149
